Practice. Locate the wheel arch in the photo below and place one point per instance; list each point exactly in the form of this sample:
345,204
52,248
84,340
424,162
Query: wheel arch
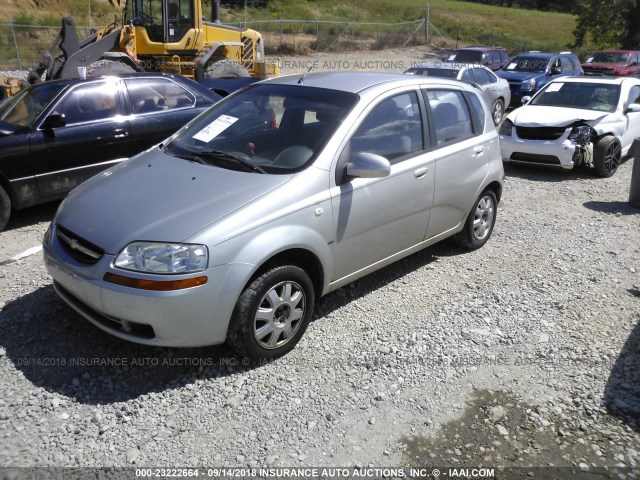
495,187
299,257
6,185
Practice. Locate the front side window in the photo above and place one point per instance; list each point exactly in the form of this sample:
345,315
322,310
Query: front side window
157,94
451,117
25,107
90,103
393,129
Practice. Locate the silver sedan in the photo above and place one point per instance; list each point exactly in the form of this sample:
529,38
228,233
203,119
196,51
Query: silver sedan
231,228
496,90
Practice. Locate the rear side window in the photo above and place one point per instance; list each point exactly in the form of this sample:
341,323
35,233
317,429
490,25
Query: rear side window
451,116
157,94
482,77
477,112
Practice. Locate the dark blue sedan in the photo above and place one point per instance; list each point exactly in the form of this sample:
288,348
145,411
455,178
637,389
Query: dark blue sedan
55,135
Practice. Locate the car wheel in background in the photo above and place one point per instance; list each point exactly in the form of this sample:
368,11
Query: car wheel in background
606,156
497,111
5,208
272,313
479,224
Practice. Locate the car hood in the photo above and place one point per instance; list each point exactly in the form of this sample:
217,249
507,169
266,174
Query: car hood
155,196
518,76
540,116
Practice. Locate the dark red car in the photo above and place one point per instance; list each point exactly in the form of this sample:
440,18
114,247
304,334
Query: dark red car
616,63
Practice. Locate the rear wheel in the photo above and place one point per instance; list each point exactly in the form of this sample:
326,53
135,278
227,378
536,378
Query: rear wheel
606,156
497,111
479,225
108,67
272,313
5,208
225,68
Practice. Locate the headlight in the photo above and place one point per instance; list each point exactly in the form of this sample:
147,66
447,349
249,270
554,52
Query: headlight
162,258
580,134
506,127
529,84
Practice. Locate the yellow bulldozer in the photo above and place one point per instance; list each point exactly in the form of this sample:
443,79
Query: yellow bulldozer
169,36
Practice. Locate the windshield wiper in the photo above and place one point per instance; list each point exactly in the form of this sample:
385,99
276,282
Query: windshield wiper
219,155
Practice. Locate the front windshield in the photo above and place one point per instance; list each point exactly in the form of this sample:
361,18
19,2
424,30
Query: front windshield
528,64
25,107
609,57
265,128
588,96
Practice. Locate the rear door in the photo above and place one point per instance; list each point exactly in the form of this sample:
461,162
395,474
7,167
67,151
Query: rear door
96,136
159,108
457,121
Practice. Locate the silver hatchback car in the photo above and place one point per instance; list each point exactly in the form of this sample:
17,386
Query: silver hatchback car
231,228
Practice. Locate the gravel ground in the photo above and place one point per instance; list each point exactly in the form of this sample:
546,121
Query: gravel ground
523,354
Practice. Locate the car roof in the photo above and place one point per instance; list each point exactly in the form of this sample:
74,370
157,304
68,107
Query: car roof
479,48
356,82
605,79
180,79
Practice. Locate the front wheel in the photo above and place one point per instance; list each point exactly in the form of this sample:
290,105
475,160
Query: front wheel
606,157
479,224
497,111
272,313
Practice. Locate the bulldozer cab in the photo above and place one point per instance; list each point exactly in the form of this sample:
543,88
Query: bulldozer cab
165,21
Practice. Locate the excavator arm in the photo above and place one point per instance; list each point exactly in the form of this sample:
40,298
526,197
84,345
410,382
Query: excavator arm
73,52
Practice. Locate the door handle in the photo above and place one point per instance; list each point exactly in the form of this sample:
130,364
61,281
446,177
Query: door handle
120,133
421,172
477,151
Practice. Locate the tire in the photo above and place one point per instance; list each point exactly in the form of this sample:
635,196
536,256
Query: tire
272,313
225,68
480,221
606,157
5,208
108,67
497,111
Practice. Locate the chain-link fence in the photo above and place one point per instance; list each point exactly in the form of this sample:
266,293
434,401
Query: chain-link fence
22,46
309,36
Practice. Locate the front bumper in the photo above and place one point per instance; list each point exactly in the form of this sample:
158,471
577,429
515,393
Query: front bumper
558,153
192,317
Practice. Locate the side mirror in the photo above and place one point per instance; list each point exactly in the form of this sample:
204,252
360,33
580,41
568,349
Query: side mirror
632,107
55,120
526,99
368,165
556,71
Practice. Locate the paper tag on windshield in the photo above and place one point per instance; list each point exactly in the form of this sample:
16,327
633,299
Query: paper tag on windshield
554,87
451,58
215,128
511,66
589,60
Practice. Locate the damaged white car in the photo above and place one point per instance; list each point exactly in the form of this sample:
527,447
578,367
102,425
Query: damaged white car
575,121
